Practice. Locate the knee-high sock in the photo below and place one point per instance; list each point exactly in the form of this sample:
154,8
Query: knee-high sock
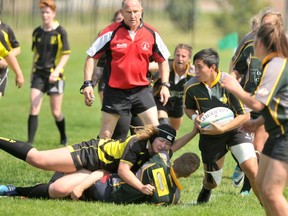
61,128
16,148
37,191
32,127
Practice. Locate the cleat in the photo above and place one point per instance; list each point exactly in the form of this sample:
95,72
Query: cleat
7,190
238,177
204,196
244,193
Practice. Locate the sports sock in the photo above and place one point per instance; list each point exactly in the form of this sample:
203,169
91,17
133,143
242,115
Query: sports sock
246,186
61,128
37,191
16,148
32,127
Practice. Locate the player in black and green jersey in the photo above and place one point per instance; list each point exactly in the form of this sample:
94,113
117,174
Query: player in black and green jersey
202,93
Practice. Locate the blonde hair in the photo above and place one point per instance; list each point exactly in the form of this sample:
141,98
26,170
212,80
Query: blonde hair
47,3
145,132
271,12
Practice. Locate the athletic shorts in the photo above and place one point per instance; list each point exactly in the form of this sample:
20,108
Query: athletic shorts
3,79
99,191
215,147
277,148
174,107
41,81
126,101
85,155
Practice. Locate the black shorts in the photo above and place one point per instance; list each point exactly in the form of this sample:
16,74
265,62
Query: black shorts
277,148
3,79
41,81
126,101
174,107
215,147
85,155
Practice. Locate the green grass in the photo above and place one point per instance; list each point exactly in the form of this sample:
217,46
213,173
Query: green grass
83,123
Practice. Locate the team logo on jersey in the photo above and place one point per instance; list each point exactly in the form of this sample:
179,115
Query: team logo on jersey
145,46
263,92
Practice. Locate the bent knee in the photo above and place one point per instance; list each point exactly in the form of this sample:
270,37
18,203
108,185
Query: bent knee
58,191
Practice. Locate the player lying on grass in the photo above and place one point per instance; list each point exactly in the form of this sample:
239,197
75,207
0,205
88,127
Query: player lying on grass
124,158
103,186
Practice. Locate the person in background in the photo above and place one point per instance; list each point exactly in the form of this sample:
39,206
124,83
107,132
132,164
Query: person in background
9,43
51,53
270,100
180,73
247,68
130,44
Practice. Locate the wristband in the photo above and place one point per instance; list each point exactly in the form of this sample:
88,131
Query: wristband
86,84
194,116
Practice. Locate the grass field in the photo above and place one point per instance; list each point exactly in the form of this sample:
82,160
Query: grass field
83,123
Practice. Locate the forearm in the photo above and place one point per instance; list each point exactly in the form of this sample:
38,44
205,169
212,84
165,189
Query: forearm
91,179
128,176
164,71
182,141
89,67
63,61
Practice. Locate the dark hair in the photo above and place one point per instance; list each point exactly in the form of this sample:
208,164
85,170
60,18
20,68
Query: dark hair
115,15
273,38
209,57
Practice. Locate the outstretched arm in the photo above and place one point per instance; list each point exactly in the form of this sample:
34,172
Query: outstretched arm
182,141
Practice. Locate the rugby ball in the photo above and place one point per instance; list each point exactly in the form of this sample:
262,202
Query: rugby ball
217,115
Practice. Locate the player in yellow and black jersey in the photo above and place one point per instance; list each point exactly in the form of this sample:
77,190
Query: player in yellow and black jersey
51,53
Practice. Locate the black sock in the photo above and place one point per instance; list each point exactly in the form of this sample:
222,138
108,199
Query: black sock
61,128
16,148
246,186
32,127
37,191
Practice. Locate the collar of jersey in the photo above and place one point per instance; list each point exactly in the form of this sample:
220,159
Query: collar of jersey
177,182
128,28
216,80
175,71
268,58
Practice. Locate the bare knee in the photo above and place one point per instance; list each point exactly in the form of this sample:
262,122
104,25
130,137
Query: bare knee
57,191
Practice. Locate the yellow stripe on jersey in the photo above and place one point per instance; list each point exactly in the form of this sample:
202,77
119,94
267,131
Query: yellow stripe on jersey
112,149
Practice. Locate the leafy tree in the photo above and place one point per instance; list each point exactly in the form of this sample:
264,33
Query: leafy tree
182,13
236,14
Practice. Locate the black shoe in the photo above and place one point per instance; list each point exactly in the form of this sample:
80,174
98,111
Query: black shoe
204,196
